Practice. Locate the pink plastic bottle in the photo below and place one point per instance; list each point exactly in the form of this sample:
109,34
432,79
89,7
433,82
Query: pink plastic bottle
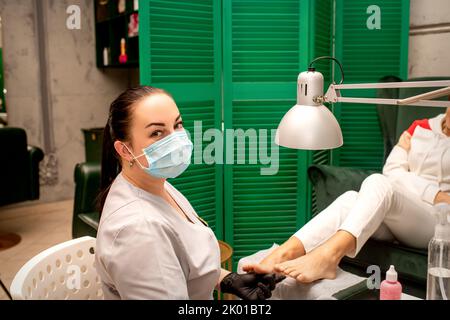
390,288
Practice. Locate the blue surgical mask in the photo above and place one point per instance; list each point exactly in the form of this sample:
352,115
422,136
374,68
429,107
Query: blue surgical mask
168,157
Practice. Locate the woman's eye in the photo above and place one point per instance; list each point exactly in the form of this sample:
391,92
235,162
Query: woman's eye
156,133
179,125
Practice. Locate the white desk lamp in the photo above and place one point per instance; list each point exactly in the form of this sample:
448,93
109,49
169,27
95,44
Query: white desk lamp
309,125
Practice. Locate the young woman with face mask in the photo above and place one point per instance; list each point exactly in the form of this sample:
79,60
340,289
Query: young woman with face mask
151,244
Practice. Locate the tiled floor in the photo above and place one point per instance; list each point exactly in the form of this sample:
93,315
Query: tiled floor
40,226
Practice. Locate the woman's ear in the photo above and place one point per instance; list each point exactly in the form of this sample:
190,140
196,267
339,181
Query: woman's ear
123,151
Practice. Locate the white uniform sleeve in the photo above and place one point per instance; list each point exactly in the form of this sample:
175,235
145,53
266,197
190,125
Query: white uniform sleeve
144,263
397,170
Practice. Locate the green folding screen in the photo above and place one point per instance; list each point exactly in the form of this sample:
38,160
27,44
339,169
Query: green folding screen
180,51
237,61
266,45
368,55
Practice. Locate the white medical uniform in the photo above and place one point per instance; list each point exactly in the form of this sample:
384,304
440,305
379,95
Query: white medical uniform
146,250
396,205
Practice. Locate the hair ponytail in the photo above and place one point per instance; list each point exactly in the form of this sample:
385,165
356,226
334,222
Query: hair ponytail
110,166
117,128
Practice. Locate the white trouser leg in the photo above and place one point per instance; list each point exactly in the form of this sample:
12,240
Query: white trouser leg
373,202
411,220
327,222
407,217
378,210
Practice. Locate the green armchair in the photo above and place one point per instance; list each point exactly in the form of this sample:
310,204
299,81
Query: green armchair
20,164
85,214
330,182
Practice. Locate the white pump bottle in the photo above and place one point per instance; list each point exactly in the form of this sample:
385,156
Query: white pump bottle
438,281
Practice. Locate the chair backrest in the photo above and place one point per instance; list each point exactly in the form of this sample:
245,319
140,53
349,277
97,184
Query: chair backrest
63,272
395,120
406,115
15,179
87,186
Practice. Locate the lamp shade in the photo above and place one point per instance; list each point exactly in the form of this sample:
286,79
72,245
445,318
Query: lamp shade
309,125
309,128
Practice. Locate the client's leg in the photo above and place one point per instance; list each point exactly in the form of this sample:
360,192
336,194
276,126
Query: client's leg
321,262
410,219
314,233
289,250
365,217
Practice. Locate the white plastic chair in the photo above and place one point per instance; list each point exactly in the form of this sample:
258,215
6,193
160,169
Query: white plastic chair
63,272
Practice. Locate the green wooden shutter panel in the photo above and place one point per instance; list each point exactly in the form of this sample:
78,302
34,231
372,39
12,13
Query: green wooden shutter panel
264,40
367,55
319,157
180,53
261,65
264,208
322,38
182,46
198,183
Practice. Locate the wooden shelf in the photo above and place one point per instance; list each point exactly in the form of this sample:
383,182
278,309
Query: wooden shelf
122,15
110,27
129,64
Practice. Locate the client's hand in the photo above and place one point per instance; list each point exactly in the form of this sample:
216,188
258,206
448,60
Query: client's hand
405,141
442,197
250,286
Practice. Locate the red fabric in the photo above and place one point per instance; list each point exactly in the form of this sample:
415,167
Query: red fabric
424,123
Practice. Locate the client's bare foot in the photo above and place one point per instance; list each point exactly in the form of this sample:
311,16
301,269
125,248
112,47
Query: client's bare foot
317,264
322,262
291,249
265,266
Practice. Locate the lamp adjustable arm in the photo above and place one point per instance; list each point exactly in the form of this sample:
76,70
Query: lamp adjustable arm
333,94
309,125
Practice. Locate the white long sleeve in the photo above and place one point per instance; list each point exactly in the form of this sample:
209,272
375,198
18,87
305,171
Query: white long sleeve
397,170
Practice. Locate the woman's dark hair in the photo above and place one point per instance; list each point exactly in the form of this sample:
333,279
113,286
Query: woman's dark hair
118,128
